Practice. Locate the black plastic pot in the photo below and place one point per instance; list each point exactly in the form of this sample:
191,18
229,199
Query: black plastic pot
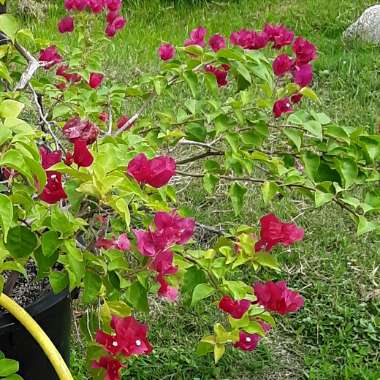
53,314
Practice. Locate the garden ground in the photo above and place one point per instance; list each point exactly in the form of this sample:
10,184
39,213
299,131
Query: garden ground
337,334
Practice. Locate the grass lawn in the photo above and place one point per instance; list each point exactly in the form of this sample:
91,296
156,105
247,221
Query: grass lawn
337,333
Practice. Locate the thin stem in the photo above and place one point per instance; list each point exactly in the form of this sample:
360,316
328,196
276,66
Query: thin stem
228,178
198,157
211,229
136,115
109,119
58,144
208,146
260,181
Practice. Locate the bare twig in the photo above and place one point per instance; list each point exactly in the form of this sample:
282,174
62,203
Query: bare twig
44,120
226,177
210,228
109,119
260,181
136,115
198,157
208,146
33,66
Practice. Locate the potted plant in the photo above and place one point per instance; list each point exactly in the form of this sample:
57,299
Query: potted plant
88,195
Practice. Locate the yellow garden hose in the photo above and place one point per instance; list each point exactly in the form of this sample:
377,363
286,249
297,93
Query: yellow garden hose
39,335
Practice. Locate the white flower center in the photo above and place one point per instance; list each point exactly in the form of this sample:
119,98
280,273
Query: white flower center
114,343
287,105
248,339
138,342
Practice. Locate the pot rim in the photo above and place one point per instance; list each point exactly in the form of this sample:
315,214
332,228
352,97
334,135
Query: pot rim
44,303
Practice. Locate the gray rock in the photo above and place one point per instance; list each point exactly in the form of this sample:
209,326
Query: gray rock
367,26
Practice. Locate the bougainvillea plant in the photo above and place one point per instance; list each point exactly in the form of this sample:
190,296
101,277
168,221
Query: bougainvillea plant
89,193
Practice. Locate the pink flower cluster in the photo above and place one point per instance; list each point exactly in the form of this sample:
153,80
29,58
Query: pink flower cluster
219,73
115,21
122,243
273,296
298,68
274,231
129,339
249,342
81,133
277,297
51,57
197,37
156,172
53,191
156,243
235,308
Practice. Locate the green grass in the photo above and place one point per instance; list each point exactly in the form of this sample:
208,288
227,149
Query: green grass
337,334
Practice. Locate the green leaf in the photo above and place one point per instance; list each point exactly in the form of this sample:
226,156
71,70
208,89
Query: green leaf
37,171
9,107
58,281
365,226
269,190
322,198
60,221
204,348
211,84
191,279
320,117
9,25
267,260
314,127
191,105
294,135
122,207
50,242
254,328
235,54
75,263
193,49
14,377
243,71
219,350
200,292
137,297
348,170
15,160
196,132
21,242
74,196
239,289
311,162
4,73
44,263
192,81
92,285
209,182
6,214
13,266
309,93
337,132
236,193
8,367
